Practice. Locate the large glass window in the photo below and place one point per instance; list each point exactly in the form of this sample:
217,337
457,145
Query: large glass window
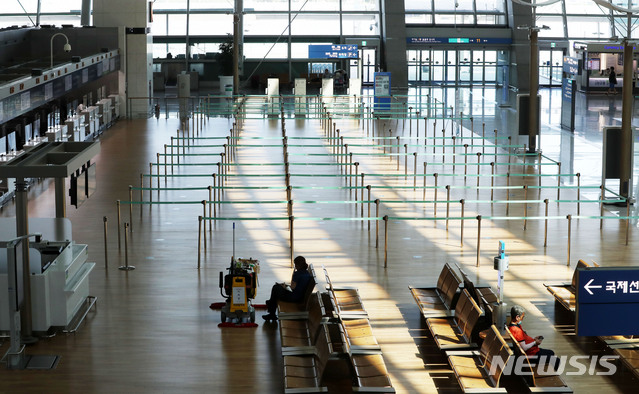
267,21
588,27
315,5
264,5
360,5
259,50
556,24
265,24
418,5
210,24
459,12
458,5
582,7
360,24
315,25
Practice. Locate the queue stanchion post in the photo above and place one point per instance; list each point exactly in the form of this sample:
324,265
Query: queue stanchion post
203,202
435,175
405,161
447,204
210,209
478,238
507,193
199,240
415,168
165,169
385,241
117,203
461,236
454,158
150,185
465,161
601,207
569,217
356,176
478,168
126,266
578,194
483,138
492,182
558,181
362,195
157,173
627,220
106,253
546,223
424,185
377,223
130,206
525,206
291,219
368,187
171,155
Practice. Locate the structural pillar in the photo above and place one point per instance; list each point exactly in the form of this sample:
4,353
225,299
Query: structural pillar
60,198
22,228
626,122
533,109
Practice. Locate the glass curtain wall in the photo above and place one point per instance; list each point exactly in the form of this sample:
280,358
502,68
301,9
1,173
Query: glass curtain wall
456,65
460,12
266,25
23,13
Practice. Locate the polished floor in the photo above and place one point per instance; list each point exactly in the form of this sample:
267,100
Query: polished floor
153,331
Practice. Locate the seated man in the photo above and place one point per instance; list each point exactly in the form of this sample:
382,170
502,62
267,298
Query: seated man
528,344
290,293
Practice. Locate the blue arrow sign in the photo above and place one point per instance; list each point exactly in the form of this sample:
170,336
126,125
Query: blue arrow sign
607,301
608,285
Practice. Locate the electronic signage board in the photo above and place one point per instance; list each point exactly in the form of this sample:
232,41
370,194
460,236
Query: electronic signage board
607,301
337,51
458,40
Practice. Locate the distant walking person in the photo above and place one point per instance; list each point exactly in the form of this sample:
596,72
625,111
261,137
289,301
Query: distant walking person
612,81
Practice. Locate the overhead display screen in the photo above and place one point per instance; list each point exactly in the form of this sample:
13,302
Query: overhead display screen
332,51
457,40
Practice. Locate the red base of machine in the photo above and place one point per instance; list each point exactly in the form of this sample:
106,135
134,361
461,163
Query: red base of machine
220,305
237,325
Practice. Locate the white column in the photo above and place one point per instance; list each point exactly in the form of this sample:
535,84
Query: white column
132,19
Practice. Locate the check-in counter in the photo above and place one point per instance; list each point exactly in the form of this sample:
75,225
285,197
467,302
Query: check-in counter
115,105
56,133
105,110
59,273
90,117
33,143
76,127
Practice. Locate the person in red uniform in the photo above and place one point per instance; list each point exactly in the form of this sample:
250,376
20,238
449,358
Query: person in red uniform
528,343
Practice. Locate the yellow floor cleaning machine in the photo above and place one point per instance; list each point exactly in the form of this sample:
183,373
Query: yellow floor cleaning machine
239,288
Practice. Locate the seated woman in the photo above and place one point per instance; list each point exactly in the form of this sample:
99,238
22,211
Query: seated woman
289,293
529,344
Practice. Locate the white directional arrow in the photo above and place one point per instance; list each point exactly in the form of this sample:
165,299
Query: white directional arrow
588,287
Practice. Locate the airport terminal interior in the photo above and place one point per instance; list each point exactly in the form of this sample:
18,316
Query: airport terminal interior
163,162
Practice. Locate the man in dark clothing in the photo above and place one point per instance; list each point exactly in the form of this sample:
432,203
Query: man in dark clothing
612,81
289,293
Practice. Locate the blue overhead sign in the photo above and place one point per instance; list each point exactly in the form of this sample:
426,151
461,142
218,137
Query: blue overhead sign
607,285
607,301
457,40
333,51
571,65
